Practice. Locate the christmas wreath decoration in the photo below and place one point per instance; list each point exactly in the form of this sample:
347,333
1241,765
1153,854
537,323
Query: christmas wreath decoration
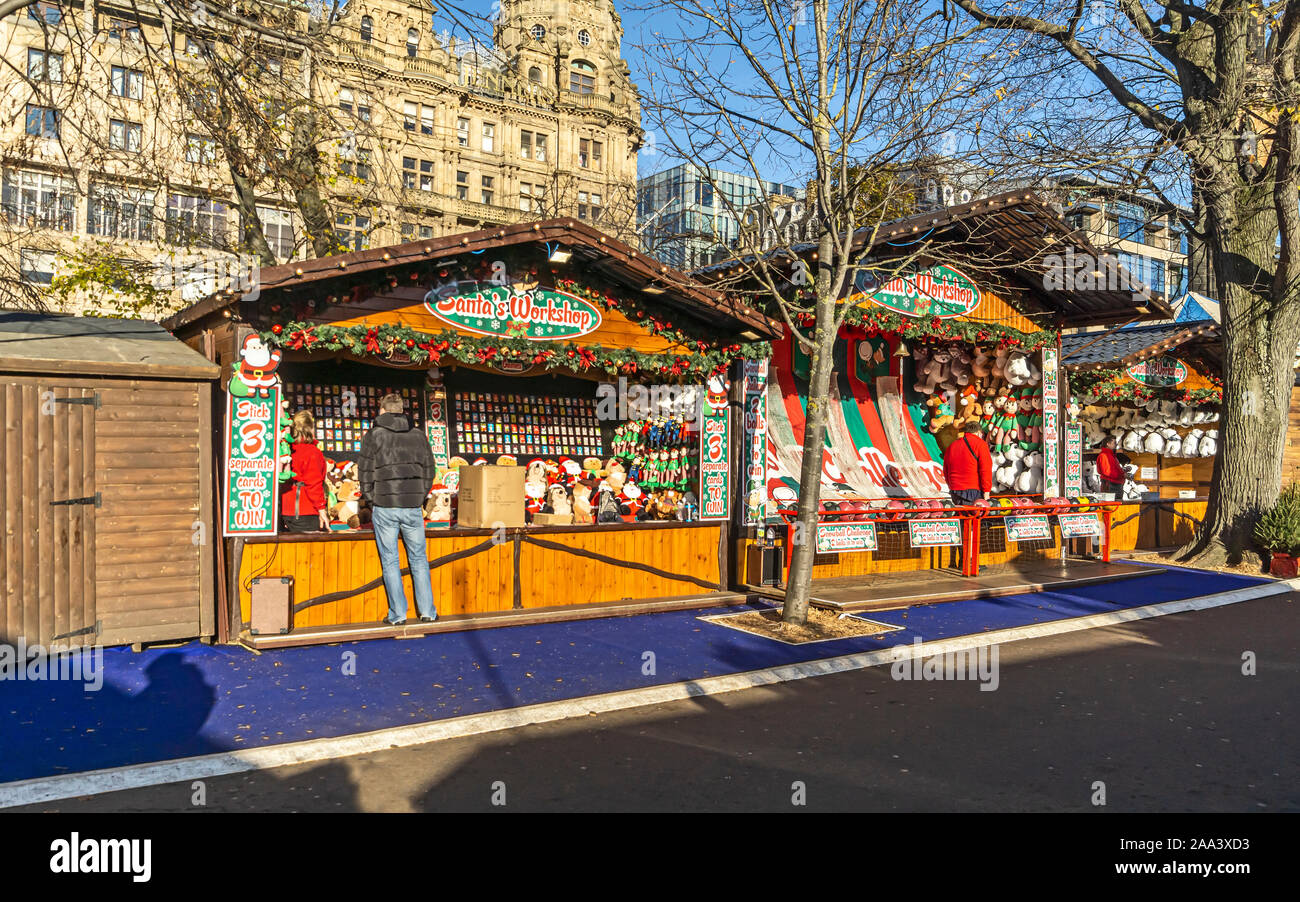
1112,386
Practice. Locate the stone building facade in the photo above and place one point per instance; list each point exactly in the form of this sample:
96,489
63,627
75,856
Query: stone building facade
420,131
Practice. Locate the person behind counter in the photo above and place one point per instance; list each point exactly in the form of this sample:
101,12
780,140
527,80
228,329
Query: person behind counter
396,471
1109,471
302,504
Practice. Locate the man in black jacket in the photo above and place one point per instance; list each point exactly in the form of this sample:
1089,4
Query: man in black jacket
396,470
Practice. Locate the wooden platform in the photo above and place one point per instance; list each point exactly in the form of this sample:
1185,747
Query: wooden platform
889,591
451,623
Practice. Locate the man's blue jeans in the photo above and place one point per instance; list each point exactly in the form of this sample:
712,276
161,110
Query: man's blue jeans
389,522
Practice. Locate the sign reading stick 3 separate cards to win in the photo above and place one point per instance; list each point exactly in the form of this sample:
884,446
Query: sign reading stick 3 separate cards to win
251,490
927,533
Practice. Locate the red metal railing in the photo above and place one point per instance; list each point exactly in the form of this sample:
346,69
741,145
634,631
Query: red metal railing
970,517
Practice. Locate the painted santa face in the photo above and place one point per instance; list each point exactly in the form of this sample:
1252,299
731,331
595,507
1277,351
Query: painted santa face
255,352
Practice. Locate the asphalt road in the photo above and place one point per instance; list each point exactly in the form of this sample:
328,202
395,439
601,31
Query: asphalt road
1159,711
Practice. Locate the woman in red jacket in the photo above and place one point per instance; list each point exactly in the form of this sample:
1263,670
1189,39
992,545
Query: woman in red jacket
1109,472
302,504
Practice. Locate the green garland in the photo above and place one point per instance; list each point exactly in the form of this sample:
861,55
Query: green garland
1115,385
881,321
387,340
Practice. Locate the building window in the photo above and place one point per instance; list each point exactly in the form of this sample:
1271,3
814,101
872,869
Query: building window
367,29
539,147
426,120
352,231
199,221
488,193
535,75
42,121
39,200
277,227
595,207
584,38
200,149
120,28
118,212
412,42
417,173
123,135
355,163
462,132
489,136
582,205
410,231
47,13
525,197
410,112
589,153
36,266
538,32
358,105
42,65
407,231
127,83
1130,222
526,145
582,78
462,185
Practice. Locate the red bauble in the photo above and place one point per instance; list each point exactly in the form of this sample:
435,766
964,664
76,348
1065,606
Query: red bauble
277,328
410,342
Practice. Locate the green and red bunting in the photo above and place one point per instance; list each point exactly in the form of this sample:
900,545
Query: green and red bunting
697,359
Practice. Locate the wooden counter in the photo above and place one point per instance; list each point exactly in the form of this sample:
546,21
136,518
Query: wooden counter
338,579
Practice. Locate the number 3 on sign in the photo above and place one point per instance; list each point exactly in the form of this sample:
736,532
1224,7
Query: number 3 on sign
253,439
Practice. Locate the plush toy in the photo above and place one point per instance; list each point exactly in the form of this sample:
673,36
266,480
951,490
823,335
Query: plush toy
959,368
535,483
582,510
968,405
935,372
557,500
437,507
1000,364
920,360
982,364
940,412
1017,370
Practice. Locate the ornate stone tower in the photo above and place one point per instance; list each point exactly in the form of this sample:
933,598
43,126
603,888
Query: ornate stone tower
571,46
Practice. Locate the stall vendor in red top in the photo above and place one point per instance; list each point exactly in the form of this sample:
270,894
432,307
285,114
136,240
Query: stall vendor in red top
302,505
1109,471
968,467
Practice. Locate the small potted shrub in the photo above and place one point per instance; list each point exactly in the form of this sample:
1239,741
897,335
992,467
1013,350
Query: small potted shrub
1278,530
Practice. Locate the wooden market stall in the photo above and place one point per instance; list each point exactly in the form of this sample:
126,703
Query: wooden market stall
1157,389
969,330
506,343
107,483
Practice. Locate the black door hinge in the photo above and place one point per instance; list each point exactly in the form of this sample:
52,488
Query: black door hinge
93,401
95,499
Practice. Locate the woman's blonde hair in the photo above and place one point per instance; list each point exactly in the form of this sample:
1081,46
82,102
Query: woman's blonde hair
304,427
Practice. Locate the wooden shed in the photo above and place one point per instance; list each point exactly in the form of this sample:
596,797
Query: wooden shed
106,484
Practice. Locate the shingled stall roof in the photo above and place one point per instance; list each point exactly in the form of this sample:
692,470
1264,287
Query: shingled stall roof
1125,347
1012,232
593,252
91,346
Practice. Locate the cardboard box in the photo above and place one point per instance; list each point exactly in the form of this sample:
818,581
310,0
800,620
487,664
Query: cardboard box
552,519
490,496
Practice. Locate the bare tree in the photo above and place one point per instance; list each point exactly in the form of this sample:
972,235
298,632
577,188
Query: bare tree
838,96
1197,98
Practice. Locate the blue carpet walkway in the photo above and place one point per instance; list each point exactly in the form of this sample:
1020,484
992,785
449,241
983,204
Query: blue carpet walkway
197,699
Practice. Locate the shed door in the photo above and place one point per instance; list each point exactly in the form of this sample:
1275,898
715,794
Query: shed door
150,531
48,511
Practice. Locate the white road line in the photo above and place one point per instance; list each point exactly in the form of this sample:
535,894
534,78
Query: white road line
48,789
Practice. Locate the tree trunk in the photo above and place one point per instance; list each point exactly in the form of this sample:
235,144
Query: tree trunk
1259,355
798,583
254,239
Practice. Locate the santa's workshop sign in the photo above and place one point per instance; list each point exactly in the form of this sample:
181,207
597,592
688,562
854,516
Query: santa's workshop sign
542,314
252,456
1159,372
939,291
